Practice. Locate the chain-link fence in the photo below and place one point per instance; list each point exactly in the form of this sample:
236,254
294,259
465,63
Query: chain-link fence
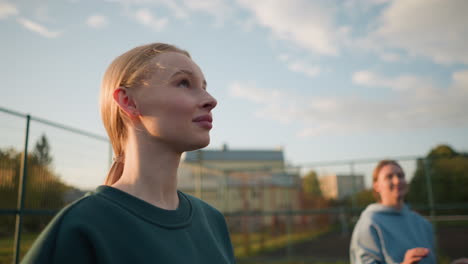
275,213
306,214
60,165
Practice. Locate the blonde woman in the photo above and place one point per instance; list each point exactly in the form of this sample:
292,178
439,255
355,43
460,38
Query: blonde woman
388,231
154,106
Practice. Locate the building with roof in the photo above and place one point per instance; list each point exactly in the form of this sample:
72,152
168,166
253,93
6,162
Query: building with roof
341,186
241,180
233,159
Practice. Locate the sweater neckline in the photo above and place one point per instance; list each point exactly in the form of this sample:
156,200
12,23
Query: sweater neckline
170,219
380,208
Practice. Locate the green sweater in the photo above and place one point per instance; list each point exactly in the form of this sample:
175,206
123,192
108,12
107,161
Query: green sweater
111,226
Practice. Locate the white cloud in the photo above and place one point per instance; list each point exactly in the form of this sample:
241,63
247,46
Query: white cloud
7,9
145,17
141,11
421,102
403,29
301,67
277,105
307,24
431,28
415,103
97,21
460,78
182,9
250,92
37,28
460,83
400,83
366,78
42,13
284,57
248,25
178,9
211,6
219,9
390,57
359,6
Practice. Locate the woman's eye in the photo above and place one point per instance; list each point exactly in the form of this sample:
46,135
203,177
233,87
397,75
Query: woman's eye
184,84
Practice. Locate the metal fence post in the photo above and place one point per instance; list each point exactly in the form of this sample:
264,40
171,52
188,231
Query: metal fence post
289,249
353,192
226,192
21,191
430,195
198,179
343,222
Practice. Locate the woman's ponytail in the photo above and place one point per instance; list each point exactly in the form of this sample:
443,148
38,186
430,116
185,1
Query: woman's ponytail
115,171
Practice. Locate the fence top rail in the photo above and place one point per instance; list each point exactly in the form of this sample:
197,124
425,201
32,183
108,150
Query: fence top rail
359,161
55,124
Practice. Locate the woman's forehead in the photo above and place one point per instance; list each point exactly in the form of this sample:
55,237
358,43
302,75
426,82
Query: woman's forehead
389,168
171,62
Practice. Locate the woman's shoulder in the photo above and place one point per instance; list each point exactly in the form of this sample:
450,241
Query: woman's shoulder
199,204
375,214
63,231
417,217
371,211
83,210
82,205
74,207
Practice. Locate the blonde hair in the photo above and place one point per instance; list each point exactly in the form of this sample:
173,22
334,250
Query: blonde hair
127,70
378,168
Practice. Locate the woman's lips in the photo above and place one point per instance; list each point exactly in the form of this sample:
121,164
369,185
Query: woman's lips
205,121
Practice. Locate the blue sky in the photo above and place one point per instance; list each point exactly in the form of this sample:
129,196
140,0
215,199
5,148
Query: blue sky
326,80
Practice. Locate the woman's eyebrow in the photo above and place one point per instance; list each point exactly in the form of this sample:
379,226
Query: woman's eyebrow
181,71
188,72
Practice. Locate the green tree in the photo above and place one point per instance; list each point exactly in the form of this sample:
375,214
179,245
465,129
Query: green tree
311,185
41,151
44,188
448,171
362,199
365,197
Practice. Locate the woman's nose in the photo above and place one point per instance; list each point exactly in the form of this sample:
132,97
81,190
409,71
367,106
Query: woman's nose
209,102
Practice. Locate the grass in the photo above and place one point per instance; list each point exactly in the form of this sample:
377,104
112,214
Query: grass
463,223
7,245
260,243
270,243
290,261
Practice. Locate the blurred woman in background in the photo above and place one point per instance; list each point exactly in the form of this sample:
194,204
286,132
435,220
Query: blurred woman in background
388,231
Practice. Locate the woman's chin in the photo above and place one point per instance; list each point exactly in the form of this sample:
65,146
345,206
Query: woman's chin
198,145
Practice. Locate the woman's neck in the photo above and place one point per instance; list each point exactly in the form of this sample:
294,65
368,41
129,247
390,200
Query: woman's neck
394,204
150,172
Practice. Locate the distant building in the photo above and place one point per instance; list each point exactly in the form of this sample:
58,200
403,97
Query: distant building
227,159
341,186
240,180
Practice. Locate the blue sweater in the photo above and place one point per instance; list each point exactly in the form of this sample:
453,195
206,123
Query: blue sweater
384,234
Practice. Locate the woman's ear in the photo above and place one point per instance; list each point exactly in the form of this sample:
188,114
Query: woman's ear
375,185
122,96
